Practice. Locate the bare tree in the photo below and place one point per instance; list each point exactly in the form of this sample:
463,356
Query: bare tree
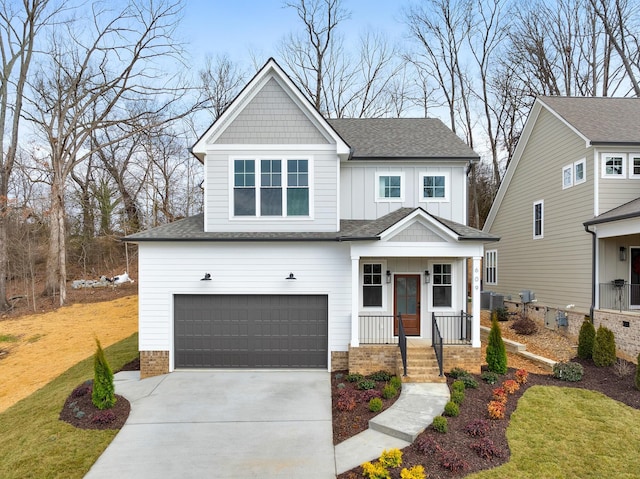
221,81
83,87
20,23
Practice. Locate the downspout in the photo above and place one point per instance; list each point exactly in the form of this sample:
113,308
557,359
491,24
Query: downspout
593,270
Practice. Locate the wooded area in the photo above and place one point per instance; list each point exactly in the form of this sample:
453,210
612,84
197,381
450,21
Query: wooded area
97,112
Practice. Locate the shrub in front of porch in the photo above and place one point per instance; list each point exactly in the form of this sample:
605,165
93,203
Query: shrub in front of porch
604,348
586,339
496,350
637,379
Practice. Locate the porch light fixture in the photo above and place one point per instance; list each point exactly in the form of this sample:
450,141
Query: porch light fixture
207,277
623,253
388,276
291,276
427,276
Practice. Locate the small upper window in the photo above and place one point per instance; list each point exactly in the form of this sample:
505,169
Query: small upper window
538,219
390,187
434,187
567,176
613,165
580,171
634,165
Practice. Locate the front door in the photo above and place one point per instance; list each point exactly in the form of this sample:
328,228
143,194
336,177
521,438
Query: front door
406,292
634,295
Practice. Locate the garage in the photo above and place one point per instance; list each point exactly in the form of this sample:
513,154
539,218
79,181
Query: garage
251,331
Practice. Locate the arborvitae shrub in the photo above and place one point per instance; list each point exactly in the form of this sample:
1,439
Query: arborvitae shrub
586,339
604,347
637,379
496,351
103,395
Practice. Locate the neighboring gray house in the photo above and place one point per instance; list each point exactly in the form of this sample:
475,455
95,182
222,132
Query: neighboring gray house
316,235
568,214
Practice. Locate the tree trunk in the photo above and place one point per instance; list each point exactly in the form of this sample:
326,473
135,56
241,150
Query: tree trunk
56,280
4,260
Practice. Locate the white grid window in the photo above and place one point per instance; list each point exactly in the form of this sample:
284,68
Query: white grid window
491,267
538,219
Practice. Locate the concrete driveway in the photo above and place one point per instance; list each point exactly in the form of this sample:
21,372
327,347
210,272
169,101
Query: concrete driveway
223,424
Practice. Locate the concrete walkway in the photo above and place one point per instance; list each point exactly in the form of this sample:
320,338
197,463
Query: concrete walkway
245,424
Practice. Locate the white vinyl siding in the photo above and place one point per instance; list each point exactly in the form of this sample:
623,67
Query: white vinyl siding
491,267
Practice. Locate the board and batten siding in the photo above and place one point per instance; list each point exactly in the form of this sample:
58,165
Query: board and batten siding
218,196
557,267
359,189
167,269
614,192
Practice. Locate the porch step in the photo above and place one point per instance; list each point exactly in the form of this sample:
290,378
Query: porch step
422,365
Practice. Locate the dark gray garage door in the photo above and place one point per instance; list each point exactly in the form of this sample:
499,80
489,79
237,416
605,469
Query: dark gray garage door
250,331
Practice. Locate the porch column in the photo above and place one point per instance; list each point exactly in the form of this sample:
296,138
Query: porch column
355,301
475,303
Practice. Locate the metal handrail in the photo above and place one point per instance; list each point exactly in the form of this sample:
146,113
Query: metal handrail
402,342
436,341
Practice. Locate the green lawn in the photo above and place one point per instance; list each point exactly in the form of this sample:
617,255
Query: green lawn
35,444
567,433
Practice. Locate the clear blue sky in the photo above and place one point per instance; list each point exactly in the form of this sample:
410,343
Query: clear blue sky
236,27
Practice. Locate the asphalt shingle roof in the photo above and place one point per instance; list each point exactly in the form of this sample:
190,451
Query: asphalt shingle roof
622,212
192,229
410,138
601,120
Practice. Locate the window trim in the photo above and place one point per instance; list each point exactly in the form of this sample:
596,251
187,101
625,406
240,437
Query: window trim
603,165
451,285
541,204
383,283
565,169
491,262
447,187
257,159
633,156
583,162
382,199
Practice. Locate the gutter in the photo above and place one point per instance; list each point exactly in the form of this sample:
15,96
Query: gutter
593,270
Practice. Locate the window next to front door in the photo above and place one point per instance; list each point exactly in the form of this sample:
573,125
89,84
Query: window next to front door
442,286
372,285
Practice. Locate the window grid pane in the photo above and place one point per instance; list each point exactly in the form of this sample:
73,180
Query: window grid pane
372,285
636,166
613,166
390,186
434,187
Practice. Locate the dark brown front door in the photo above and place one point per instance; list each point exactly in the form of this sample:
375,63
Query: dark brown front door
406,293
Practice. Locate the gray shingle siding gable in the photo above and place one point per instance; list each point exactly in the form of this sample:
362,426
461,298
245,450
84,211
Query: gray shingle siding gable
271,117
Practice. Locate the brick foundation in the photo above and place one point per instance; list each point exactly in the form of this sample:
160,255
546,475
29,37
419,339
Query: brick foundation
339,360
464,357
369,358
153,363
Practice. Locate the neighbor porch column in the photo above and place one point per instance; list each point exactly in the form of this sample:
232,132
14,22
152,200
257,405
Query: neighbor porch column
475,303
355,301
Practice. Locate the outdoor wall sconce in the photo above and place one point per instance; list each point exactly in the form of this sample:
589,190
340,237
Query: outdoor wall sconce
291,276
207,277
388,276
427,276
623,253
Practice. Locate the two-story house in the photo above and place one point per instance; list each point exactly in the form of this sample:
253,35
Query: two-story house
568,214
317,238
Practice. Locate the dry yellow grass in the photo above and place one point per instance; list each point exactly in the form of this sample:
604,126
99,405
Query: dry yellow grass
49,344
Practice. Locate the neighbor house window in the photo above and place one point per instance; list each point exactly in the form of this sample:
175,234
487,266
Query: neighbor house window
434,187
538,219
491,267
390,187
634,165
442,286
282,187
567,176
613,165
580,171
244,187
372,285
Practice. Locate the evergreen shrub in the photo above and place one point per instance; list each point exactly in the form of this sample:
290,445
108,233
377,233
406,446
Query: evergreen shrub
586,338
103,395
496,351
604,348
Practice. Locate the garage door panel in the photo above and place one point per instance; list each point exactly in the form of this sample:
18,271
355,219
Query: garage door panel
251,331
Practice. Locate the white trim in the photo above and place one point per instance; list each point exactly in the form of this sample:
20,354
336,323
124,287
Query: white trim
567,182
447,187
436,226
215,148
383,199
583,162
541,235
603,165
633,156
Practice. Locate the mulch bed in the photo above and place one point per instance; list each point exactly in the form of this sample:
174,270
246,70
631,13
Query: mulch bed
454,446
79,411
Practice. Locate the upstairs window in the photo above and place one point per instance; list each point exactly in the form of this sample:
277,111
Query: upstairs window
538,220
442,286
580,171
434,187
491,267
390,187
372,285
634,165
567,177
613,165
282,189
